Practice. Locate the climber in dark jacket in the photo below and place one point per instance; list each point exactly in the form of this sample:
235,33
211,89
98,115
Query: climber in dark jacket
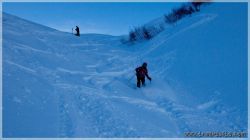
77,31
141,72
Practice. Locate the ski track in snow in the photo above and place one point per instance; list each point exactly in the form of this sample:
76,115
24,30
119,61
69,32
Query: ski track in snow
91,93
21,67
27,48
102,120
66,125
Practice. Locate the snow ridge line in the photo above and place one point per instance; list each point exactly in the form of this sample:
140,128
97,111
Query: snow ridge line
204,18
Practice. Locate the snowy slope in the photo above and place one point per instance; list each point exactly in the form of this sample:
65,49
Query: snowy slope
59,85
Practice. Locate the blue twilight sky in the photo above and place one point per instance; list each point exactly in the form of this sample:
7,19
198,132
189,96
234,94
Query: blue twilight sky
105,18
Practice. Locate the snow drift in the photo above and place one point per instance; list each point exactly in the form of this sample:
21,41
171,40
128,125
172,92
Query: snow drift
59,85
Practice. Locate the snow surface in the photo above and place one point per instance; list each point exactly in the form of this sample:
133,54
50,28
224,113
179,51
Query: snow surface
58,85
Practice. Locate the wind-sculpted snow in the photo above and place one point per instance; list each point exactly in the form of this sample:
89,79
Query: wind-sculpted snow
58,85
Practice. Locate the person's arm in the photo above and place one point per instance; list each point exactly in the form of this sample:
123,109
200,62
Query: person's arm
149,78
137,70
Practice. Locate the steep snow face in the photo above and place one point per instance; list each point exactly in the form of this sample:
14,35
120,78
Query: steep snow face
58,85
206,54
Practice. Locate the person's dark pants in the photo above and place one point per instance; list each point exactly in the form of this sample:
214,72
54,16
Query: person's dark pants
140,80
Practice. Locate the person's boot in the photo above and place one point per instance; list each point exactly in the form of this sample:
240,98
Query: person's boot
138,84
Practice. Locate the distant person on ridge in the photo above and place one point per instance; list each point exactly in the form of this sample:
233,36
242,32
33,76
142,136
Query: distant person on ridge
77,31
141,72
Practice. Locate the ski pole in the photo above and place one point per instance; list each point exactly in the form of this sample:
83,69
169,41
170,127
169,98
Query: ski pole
131,78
